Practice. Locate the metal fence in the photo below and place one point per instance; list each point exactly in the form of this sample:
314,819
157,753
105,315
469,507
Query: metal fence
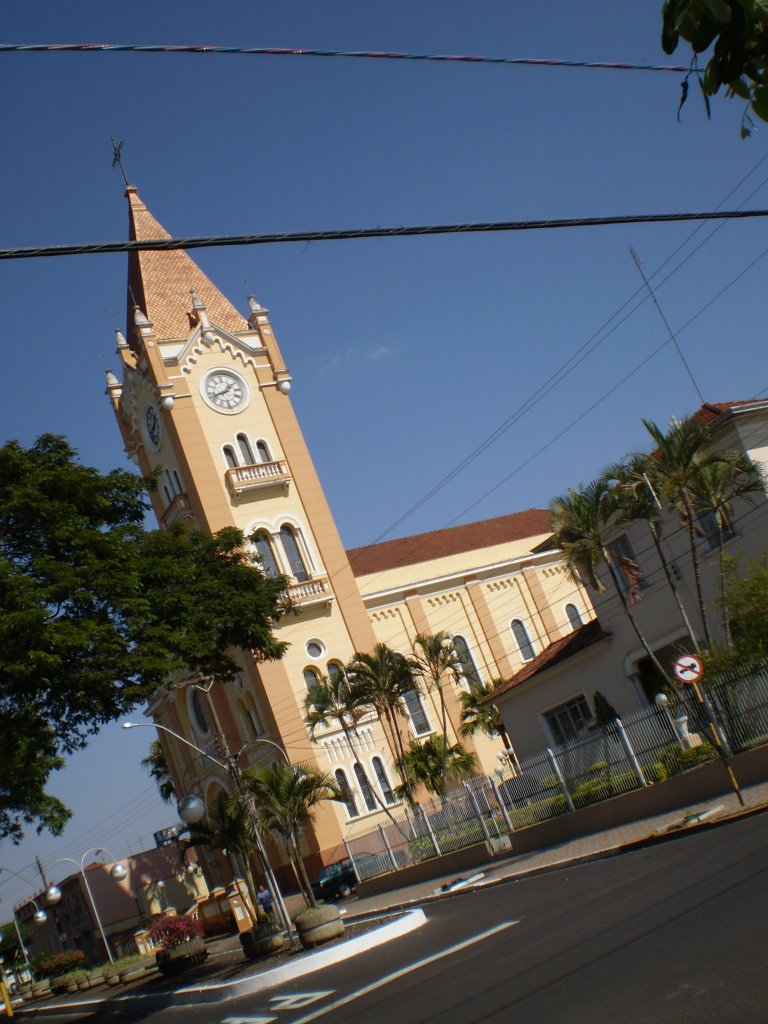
631,752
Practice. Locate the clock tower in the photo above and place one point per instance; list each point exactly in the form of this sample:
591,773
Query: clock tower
204,399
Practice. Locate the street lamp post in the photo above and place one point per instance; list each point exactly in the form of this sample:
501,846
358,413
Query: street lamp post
192,809
117,871
51,896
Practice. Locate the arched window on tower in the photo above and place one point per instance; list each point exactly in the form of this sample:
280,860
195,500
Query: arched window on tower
346,793
245,449
335,671
177,483
468,667
266,554
262,450
198,711
520,634
311,678
416,712
384,786
229,455
293,554
365,787
574,616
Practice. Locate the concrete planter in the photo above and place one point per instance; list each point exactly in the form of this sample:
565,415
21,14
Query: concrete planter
319,924
84,984
188,954
41,989
256,945
132,973
112,979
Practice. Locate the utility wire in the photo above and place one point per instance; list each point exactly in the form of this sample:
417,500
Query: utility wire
282,51
343,234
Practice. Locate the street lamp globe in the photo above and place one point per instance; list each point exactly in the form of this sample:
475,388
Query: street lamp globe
661,700
118,872
191,809
40,916
52,895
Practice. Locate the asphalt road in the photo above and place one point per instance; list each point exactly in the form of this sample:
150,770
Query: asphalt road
674,933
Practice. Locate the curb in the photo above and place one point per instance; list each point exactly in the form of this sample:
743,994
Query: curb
652,839
223,991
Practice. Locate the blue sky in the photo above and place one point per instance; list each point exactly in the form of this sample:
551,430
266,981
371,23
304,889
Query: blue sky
406,353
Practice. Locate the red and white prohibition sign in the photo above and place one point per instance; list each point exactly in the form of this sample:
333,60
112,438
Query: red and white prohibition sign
689,669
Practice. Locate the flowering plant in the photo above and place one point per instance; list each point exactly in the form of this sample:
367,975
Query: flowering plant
62,963
170,932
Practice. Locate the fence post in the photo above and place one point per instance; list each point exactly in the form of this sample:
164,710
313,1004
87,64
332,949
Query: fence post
502,805
349,854
428,825
630,752
392,860
477,812
560,778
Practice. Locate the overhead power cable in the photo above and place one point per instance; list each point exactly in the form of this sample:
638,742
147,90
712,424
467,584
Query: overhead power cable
284,51
212,241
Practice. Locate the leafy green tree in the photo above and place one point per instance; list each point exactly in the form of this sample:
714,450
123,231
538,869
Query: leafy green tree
157,767
747,600
737,31
10,948
286,798
96,612
434,765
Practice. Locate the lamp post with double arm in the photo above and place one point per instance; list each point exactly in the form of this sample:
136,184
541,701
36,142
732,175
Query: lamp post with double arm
192,809
117,871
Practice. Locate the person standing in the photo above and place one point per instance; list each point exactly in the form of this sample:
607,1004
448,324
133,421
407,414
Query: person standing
264,897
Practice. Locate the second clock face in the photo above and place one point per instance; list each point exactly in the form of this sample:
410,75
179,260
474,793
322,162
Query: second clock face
225,391
152,421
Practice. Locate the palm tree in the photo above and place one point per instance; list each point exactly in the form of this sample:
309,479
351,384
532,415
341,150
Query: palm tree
343,701
637,500
157,766
480,715
385,677
435,658
715,488
432,763
580,520
286,797
232,829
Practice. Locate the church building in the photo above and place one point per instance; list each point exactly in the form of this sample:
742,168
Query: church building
203,397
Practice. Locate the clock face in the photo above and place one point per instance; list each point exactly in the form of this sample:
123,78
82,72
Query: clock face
152,421
225,391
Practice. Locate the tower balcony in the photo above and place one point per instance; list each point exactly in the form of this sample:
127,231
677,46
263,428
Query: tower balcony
310,593
178,509
244,479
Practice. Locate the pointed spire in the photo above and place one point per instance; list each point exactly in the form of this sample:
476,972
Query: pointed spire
121,342
160,282
112,381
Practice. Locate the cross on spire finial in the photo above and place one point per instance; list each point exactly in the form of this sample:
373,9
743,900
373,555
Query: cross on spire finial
117,157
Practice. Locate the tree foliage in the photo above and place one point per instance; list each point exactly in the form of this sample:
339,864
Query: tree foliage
747,597
434,764
96,612
737,31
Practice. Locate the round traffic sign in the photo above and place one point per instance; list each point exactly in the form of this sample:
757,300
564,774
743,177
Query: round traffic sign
689,669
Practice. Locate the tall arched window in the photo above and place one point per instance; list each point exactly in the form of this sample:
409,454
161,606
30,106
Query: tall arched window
346,793
262,450
335,671
523,640
177,483
229,455
365,787
245,449
415,708
266,554
468,667
198,710
167,493
293,554
574,616
311,678
384,786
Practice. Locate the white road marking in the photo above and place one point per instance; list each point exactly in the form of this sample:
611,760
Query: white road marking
248,1020
299,999
403,971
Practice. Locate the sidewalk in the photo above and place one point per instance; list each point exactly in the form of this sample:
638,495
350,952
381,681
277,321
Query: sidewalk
228,975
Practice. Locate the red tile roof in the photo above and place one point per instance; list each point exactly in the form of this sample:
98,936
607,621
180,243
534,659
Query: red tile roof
710,411
422,547
579,640
159,283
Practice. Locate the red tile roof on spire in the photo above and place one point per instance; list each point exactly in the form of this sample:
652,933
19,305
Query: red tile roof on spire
423,547
159,283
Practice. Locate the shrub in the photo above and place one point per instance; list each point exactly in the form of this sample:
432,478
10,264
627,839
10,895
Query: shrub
676,760
170,932
62,963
